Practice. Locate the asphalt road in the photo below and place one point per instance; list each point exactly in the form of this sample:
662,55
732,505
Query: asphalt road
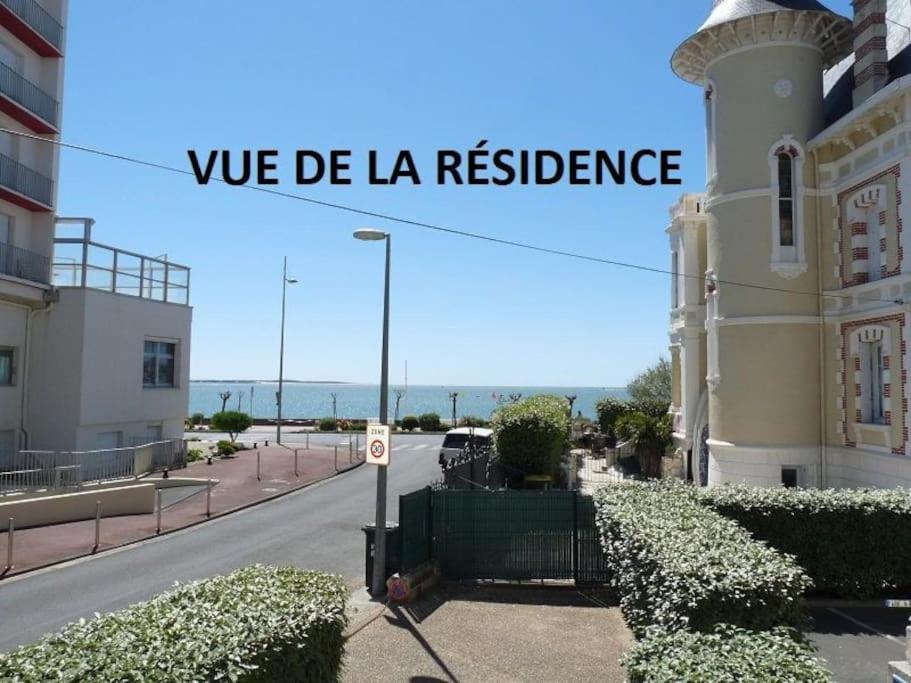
315,528
859,642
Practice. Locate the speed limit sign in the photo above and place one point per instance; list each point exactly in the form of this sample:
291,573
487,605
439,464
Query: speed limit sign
378,445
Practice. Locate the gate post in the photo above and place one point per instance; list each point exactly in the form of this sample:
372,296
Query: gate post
575,537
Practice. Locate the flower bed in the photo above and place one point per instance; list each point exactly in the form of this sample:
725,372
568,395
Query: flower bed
853,543
256,624
679,565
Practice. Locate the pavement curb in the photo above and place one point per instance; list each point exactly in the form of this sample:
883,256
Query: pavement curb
122,546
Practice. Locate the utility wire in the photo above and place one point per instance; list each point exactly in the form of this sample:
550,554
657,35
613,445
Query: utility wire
438,228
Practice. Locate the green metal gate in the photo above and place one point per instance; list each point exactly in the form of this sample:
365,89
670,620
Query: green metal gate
506,535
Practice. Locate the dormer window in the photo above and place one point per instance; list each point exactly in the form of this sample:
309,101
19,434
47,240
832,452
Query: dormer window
786,189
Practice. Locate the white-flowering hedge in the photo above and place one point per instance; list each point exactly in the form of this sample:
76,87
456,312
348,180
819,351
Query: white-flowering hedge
727,655
853,543
256,624
681,566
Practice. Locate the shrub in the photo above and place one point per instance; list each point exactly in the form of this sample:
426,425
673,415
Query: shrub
852,543
649,436
410,423
653,385
194,454
472,421
328,424
531,435
197,419
429,422
231,421
609,410
224,448
255,625
679,565
728,654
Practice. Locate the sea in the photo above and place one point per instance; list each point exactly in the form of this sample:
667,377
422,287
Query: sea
361,401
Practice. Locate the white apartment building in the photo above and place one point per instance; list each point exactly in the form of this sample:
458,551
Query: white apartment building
94,340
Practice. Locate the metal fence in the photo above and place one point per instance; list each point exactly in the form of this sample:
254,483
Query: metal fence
58,470
607,466
25,181
18,88
505,535
39,19
24,264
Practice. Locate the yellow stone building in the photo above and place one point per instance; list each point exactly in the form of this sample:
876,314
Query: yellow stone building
792,291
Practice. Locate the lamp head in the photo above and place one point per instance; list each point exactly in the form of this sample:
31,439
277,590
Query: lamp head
370,235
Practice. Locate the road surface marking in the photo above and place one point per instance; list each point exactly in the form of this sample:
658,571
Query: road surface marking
420,446
858,622
399,448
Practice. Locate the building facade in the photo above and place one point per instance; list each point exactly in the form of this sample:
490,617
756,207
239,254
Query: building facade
792,294
82,325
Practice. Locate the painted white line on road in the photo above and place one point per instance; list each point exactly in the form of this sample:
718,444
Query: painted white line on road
420,446
858,622
399,448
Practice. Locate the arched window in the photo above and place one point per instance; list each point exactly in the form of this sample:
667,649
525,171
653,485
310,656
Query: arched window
786,168
785,198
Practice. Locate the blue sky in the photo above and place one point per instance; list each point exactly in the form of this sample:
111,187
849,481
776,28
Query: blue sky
152,79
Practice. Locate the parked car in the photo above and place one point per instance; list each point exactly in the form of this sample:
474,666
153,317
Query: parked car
457,440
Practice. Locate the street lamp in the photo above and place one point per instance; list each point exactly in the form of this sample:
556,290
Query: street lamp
379,557
281,350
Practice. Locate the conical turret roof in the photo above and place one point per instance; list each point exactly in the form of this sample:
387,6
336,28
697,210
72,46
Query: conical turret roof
809,19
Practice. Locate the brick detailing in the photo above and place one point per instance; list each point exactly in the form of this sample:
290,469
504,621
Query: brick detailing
860,254
875,69
849,279
846,330
858,229
877,43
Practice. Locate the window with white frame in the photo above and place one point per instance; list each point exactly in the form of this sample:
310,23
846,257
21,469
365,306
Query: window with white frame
786,168
785,199
7,376
158,366
873,410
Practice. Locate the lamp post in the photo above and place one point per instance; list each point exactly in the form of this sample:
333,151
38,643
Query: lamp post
454,396
281,350
379,557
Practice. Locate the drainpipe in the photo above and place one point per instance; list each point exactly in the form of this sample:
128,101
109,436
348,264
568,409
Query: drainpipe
50,300
823,435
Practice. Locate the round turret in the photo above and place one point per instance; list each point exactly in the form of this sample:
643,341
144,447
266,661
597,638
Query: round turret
738,24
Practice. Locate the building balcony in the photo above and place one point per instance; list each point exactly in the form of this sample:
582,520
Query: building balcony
83,263
26,102
24,264
33,25
24,187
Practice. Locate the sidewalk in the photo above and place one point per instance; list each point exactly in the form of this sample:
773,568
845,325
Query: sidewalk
237,487
493,633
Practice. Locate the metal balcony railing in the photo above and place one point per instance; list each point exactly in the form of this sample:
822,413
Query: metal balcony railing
24,264
25,181
30,96
39,19
81,262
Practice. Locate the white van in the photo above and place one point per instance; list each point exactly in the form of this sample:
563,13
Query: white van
457,440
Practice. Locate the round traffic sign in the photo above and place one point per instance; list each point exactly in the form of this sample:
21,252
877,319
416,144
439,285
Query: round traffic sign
377,449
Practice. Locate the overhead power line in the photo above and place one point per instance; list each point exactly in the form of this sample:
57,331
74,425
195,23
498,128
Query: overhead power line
434,227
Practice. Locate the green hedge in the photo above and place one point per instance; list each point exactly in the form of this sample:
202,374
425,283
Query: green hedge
728,655
853,543
679,565
430,422
254,625
531,435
